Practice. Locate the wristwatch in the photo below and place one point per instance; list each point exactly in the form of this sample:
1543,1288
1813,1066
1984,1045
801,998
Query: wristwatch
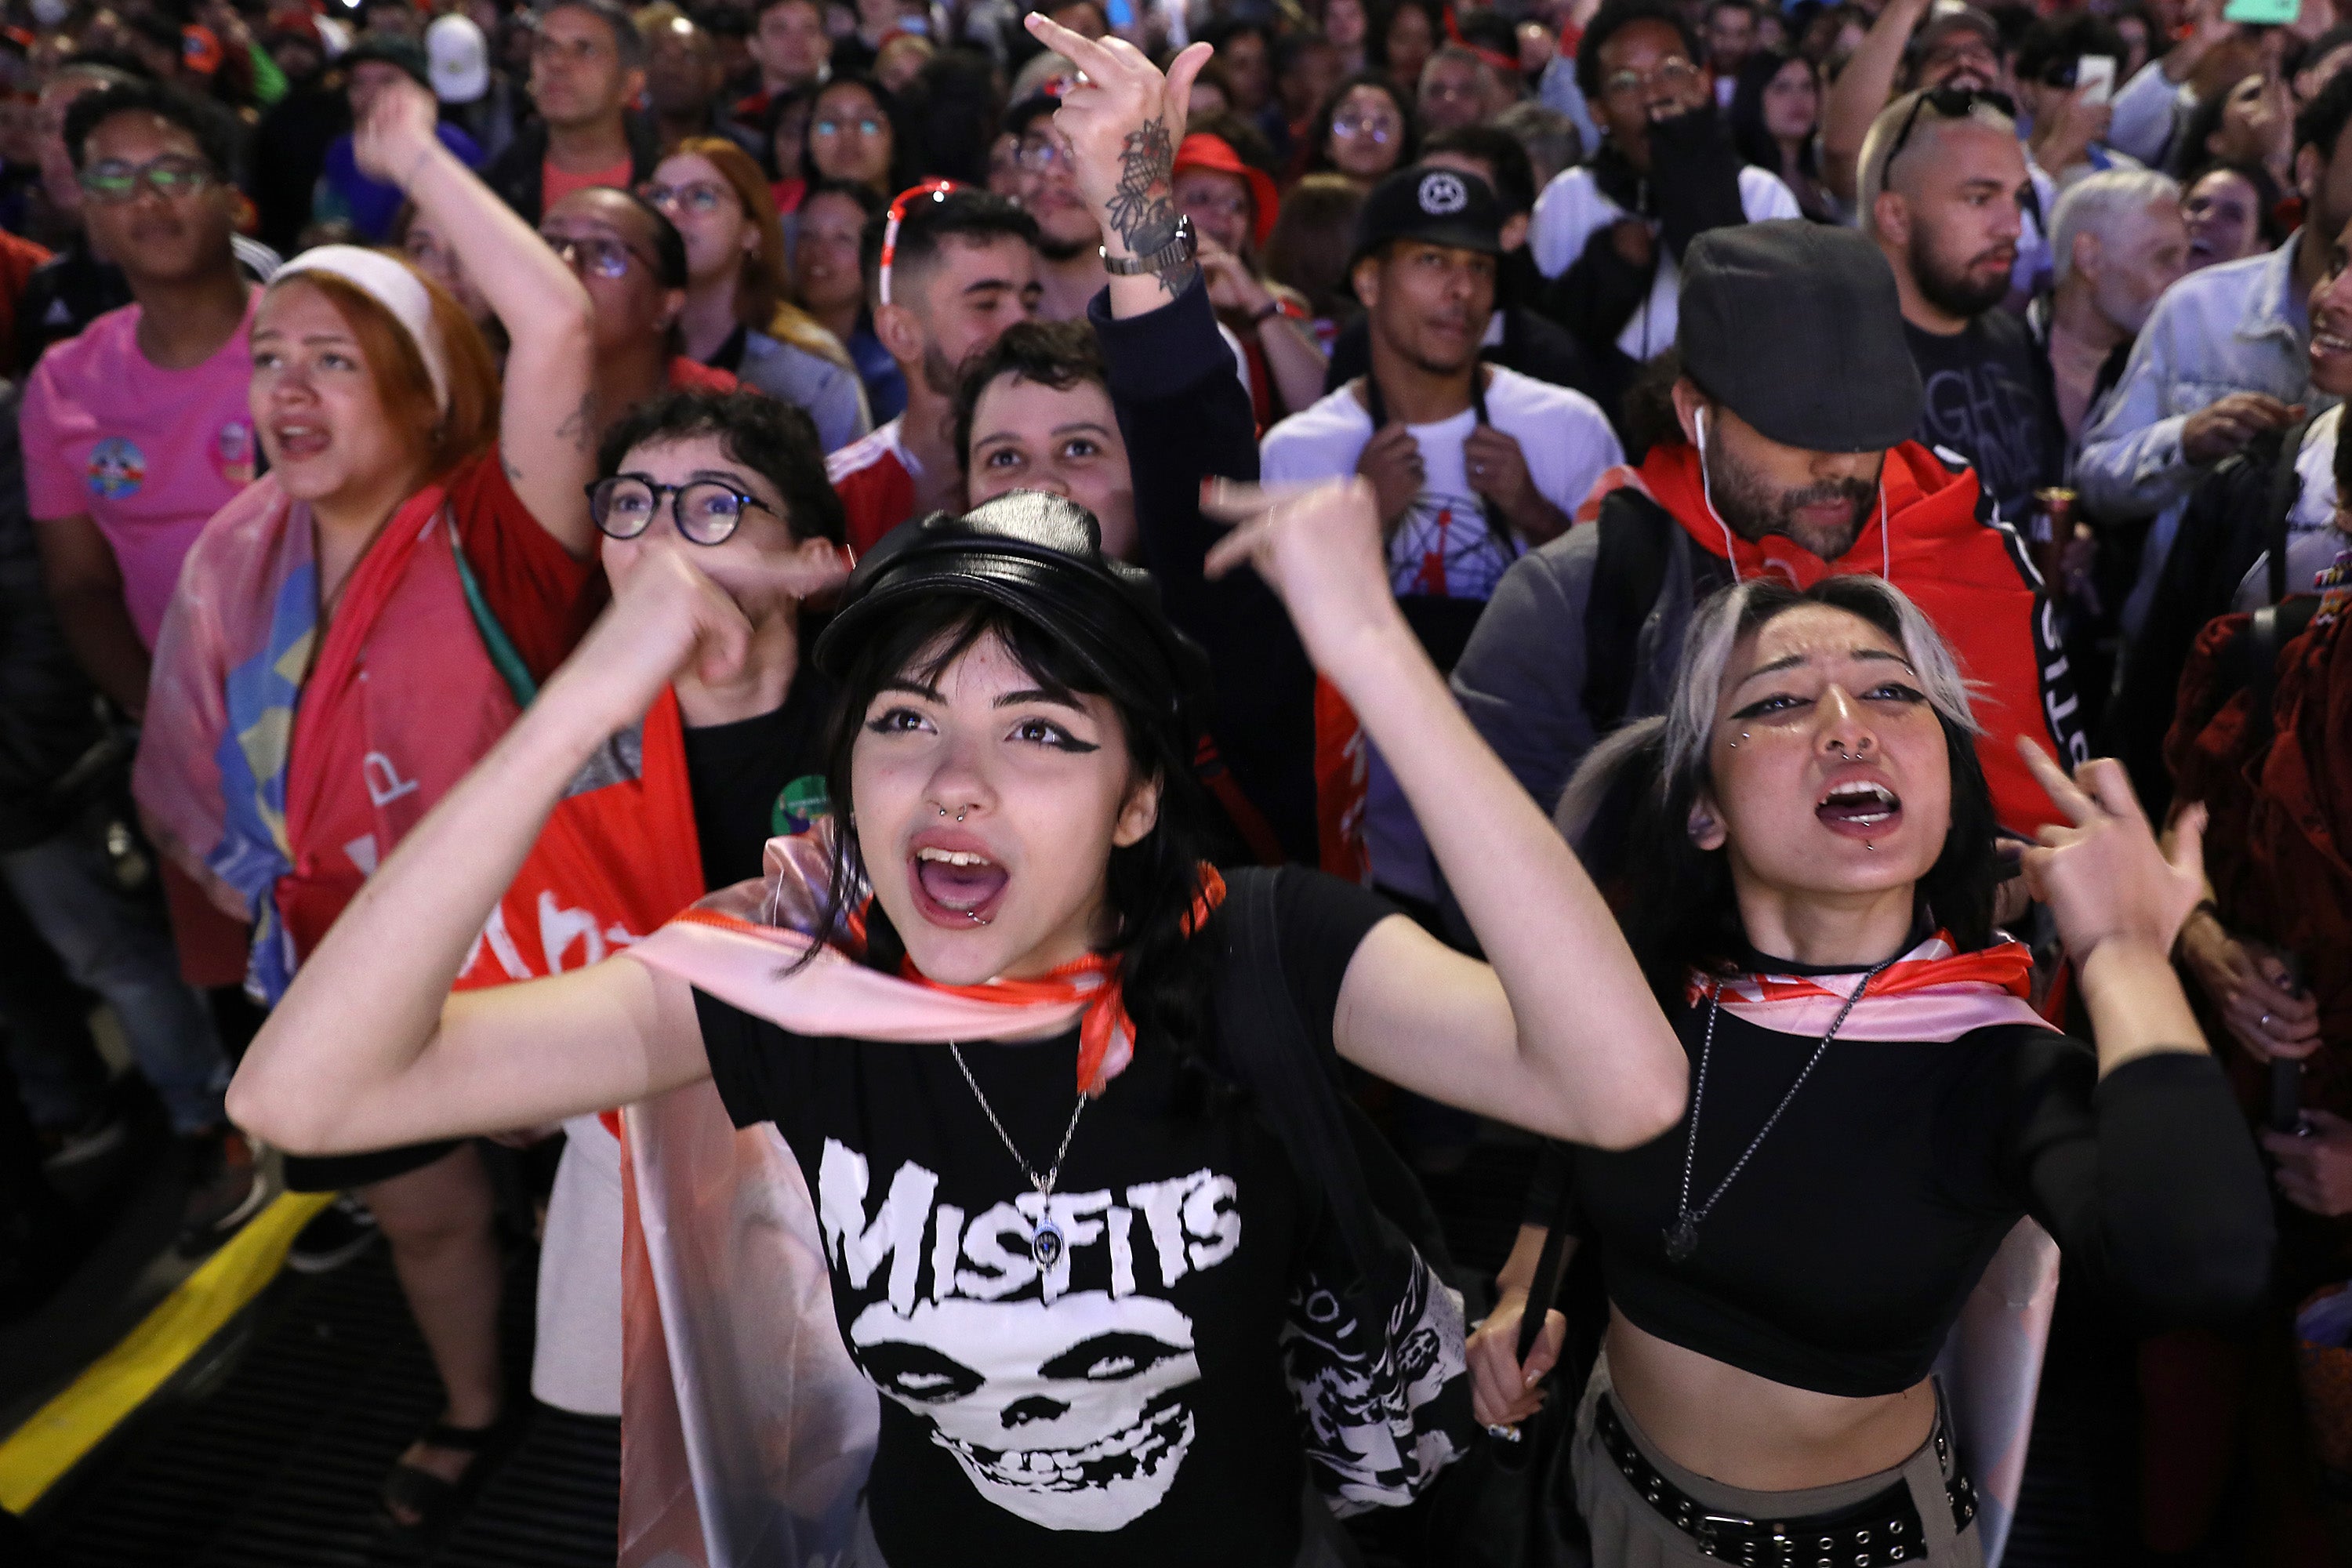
1179,250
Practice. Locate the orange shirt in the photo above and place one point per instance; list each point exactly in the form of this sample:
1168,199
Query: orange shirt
555,183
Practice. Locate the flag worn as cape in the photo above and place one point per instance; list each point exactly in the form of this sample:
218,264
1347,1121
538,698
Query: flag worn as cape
746,1431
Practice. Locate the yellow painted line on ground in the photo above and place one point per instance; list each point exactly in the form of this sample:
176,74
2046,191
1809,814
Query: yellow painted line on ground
35,1456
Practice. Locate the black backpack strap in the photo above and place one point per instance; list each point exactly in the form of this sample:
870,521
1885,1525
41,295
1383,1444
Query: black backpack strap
2263,641
1636,544
2286,488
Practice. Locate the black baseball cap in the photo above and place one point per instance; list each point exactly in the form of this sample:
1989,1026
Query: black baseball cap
1038,89
1796,327
1440,206
405,53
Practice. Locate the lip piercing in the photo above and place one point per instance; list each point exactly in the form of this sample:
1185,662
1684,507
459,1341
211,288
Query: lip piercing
975,917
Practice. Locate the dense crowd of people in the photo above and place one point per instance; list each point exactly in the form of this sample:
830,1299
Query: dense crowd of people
1012,667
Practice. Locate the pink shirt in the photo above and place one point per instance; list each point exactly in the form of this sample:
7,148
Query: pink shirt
147,454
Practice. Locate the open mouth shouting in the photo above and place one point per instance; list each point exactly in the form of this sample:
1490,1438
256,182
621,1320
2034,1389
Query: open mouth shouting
1859,808
956,883
298,441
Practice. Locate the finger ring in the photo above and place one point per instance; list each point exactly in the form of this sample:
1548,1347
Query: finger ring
2266,1021
1085,81
1503,1434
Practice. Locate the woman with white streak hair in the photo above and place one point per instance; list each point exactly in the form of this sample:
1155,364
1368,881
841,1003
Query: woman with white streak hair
1812,863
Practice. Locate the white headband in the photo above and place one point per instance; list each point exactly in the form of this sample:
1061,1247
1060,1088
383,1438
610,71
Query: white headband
391,285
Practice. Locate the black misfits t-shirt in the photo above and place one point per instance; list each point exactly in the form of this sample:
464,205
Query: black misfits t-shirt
1126,1405
1989,399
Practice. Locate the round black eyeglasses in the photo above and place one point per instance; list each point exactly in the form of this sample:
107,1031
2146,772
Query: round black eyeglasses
705,512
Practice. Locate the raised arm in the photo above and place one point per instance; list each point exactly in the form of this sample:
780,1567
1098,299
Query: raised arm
1186,417
368,1048
1560,1034
547,416
1861,91
2176,1217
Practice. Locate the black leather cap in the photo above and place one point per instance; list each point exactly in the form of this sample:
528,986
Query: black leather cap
1796,327
1039,555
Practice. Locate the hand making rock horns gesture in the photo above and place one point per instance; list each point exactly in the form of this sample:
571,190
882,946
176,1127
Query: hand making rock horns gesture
1123,121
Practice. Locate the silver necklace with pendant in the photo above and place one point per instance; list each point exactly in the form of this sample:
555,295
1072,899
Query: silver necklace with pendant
1681,1236
1046,1243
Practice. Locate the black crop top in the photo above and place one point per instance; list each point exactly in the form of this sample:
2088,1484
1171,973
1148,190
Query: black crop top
1840,1256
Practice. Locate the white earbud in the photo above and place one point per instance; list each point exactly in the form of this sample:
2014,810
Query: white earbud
1707,490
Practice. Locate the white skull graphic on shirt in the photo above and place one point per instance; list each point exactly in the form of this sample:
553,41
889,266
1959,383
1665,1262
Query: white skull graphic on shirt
1072,1416
1069,1409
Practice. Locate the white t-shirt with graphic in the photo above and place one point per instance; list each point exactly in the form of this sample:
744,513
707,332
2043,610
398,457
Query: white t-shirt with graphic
1450,544
1446,547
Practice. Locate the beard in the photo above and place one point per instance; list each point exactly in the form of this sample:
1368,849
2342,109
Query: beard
1054,249
1753,512
1951,289
939,373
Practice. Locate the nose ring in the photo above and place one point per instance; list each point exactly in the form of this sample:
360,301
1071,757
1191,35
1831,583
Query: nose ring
943,811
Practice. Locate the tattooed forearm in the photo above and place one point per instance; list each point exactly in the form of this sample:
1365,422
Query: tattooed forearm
580,428
1142,210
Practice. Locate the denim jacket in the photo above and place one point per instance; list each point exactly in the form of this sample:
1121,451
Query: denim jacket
2238,327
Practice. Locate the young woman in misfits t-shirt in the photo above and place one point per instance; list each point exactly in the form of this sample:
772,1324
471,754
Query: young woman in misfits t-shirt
1013,767
1811,867
1013,751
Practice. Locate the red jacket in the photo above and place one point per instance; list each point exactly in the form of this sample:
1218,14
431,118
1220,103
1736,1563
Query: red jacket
1969,573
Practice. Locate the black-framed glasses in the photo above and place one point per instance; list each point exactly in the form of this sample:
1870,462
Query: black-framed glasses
1040,154
1673,75
1949,103
607,258
705,512
174,175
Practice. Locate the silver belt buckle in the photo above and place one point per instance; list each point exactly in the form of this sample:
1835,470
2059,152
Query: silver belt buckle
1704,1531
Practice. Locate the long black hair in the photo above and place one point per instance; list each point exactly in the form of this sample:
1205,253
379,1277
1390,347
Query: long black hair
1628,808
1152,884
1756,142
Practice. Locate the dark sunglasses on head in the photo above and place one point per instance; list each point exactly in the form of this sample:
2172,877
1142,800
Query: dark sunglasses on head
1949,103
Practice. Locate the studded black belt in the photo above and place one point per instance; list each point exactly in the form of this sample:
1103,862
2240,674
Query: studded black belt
1881,1529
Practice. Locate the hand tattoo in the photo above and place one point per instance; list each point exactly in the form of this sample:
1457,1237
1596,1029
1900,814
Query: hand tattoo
1142,210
